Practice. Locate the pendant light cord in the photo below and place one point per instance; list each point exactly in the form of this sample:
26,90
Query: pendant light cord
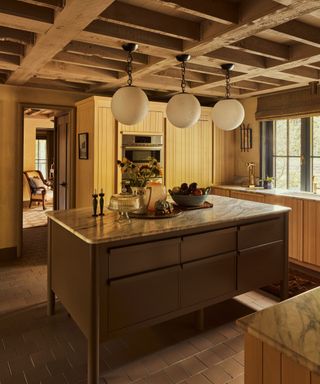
227,84
129,69
183,76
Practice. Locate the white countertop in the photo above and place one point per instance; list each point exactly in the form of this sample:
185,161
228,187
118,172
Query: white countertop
106,229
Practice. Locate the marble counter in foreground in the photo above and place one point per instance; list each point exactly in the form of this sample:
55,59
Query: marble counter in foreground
292,327
106,229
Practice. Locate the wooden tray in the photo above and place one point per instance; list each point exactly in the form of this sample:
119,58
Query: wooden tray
206,204
152,215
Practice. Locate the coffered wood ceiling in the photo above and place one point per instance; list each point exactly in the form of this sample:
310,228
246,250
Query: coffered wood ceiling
76,44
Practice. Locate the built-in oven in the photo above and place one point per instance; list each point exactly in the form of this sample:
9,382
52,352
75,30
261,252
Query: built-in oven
140,148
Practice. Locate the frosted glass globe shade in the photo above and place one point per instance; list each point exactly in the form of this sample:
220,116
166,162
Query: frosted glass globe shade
227,114
183,110
129,105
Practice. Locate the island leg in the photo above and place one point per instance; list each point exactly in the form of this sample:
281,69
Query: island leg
199,319
94,331
50,294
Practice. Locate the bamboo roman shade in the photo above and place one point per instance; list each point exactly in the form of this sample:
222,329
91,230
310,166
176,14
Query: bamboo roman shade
296,103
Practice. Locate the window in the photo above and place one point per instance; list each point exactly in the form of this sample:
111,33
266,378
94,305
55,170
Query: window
291,152
41,162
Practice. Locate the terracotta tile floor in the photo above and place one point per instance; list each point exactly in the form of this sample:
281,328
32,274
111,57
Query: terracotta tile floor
35,348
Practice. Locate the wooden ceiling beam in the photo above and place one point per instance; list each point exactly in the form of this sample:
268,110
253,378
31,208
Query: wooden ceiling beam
263,47
87,61
244,58
213,10
305,73
9,62
11,48
74,17
175,73
298,31
53,4
104,52
28,17
164,45
269,80
147,20
56,84
15,35
273,14
72,72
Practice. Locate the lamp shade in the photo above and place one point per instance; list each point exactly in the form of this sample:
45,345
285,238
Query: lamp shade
129,105
227,114
183,110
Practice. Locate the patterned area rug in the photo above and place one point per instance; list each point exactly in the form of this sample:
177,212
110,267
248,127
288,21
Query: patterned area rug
298,283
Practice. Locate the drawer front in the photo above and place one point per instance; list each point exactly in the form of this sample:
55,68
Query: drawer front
207,279
268,231
261,266
208,244
139,258
138,298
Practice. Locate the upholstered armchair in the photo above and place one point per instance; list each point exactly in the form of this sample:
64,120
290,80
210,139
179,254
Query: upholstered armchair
37,186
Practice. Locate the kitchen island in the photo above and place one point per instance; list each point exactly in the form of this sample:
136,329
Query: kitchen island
282,343
113,278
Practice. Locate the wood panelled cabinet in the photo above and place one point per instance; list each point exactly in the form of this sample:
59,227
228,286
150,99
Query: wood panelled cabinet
189,153
295,223
94,116
153,123
311,226
247,196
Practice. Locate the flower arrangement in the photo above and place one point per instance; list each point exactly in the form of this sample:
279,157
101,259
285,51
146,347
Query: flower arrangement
139,175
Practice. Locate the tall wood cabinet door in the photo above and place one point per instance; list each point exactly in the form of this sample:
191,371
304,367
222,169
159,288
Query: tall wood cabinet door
259,198
311,227
189,155
152,123
295,222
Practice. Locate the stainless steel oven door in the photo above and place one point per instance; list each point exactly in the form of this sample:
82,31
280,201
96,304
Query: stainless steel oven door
141,155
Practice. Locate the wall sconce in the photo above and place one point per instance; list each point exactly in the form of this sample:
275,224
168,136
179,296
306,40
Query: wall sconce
245,138
129,104
183,110
227,114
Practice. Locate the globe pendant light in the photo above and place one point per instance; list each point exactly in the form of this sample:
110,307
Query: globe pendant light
183,110
227,114
129,104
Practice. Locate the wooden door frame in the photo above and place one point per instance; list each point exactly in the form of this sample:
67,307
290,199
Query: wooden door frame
71,161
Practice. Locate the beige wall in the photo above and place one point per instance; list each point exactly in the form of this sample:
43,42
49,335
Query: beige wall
10,137
29,137
241,158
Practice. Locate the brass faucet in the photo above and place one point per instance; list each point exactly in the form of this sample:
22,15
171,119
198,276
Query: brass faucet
251,169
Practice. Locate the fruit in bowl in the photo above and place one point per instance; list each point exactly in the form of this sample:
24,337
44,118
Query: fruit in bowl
189,195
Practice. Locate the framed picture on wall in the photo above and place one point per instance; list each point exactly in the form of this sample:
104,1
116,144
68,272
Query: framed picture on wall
83,146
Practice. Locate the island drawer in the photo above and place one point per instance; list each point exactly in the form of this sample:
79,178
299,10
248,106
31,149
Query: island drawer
264,232
143,257
208,244
261,266
138,298
206,279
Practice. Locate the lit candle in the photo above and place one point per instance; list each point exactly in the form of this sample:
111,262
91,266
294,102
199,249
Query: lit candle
95,191
101,190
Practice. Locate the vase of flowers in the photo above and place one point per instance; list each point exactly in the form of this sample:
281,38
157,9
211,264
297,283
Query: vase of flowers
138,177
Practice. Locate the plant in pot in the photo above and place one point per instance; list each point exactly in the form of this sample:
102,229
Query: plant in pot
268,182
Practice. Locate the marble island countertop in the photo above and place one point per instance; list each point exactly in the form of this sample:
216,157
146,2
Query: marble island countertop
106,229
273,191
292,327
